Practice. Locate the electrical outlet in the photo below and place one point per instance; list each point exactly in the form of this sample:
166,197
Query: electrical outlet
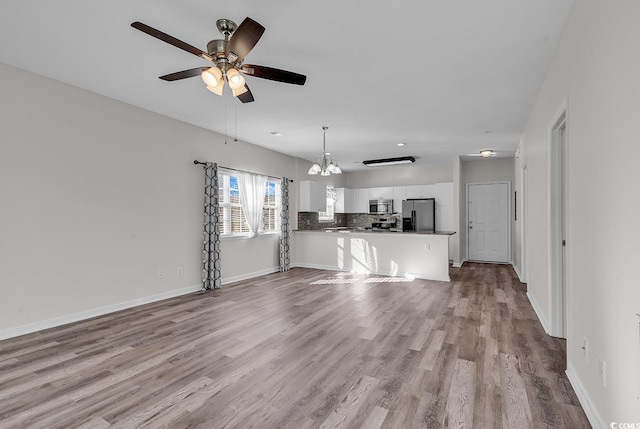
160,275
427,246
585,348
602,371
179,271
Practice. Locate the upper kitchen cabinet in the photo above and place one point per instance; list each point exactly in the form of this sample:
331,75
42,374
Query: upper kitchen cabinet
361,200
385,193
399,195
313,196
420,191
344,200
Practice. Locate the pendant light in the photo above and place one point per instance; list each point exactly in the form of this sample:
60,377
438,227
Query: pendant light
325,165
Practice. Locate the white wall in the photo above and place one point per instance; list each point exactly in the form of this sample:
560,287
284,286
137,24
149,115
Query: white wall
597,67
481,171
458,216
400,175
98,196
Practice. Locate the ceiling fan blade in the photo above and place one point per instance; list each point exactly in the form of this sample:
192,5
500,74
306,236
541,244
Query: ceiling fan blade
274,74
171,40
184,74
246,97
243,40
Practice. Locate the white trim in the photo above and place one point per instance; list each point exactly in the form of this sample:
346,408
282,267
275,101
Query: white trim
585,400
518,273
94,312
457,264
318,267
558,296
539,313
509,223
380,273
524,223
250,275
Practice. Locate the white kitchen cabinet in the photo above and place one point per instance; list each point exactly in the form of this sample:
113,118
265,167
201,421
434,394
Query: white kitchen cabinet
385,193
399,195
344,200
420,191
361,200
313,196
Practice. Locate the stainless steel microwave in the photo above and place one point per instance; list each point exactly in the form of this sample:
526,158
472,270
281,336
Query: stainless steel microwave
380,206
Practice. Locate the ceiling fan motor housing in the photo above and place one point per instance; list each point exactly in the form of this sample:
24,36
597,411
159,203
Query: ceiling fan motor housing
216,48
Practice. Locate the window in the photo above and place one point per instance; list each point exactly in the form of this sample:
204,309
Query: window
271,210
232,220
329,215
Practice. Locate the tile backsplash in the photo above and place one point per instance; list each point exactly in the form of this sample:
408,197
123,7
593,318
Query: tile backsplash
309,220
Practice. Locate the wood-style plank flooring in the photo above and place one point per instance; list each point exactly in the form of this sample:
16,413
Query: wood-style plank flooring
304,349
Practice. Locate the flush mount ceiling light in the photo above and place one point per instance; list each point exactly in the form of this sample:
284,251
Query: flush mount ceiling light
326,165
389,161
485,153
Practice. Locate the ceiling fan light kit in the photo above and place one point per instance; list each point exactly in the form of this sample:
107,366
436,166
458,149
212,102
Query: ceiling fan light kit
212,76
236,81
218,89
389,161
326,165
227,57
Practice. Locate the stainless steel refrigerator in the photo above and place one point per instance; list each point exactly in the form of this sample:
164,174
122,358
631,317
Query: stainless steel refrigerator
419,214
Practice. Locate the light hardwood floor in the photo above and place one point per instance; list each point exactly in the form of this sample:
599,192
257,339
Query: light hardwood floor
305,349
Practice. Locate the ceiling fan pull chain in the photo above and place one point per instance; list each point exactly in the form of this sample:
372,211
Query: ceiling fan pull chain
225,120
235,125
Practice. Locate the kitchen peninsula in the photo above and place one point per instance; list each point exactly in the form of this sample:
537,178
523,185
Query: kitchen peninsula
423,255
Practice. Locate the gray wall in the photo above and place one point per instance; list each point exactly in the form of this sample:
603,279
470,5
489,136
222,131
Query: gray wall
98,196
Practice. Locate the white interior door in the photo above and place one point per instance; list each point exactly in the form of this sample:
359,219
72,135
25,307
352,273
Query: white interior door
488,222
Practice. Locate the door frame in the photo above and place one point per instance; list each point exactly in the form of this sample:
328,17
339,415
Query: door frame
559,281
508,183
524,224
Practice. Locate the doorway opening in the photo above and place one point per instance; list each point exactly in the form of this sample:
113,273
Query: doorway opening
558,230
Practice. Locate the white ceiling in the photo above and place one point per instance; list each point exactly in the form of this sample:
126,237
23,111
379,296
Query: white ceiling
446,77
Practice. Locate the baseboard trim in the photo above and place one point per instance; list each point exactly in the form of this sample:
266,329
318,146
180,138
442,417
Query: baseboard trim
248,276
94,312
318,267
517,270
539,313
101,311
457,264
585,400
381,273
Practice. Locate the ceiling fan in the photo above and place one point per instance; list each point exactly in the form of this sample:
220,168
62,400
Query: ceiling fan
227,56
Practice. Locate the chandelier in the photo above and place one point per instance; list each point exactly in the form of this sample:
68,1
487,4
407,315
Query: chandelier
326,165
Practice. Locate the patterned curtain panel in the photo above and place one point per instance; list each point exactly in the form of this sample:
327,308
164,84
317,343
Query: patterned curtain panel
285,227
211,233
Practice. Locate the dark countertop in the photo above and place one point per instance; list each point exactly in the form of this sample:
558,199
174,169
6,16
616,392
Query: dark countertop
347,230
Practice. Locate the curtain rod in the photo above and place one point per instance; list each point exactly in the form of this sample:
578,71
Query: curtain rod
235,169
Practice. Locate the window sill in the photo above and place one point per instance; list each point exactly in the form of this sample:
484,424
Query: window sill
246,237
